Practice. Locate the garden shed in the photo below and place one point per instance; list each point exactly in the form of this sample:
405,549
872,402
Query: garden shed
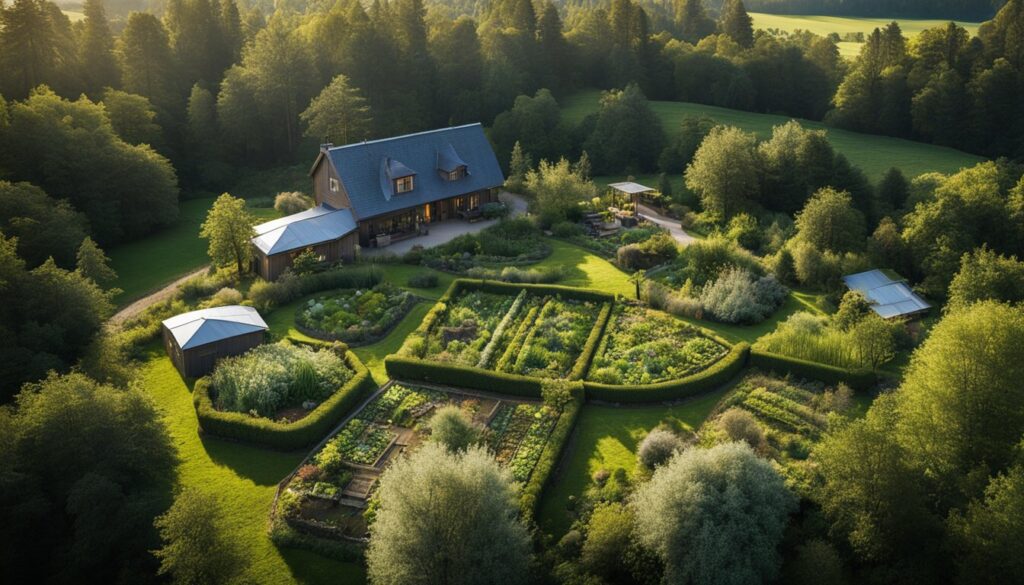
196,340
888,293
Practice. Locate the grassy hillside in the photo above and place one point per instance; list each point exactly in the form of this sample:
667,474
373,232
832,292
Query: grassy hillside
824,25
874,154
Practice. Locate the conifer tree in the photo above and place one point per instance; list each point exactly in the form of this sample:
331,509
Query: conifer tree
736,23
96,53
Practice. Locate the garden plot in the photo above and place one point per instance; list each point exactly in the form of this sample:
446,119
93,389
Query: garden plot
792,416
531,334
355,316
327,496
643,346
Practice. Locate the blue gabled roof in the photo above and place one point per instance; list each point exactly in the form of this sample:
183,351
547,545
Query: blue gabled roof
448,160
307,228
363,167
215,324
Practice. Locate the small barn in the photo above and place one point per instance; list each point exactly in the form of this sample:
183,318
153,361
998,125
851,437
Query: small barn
330,233
888,293
196,340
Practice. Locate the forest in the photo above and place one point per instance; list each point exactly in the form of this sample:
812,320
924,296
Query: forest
579,387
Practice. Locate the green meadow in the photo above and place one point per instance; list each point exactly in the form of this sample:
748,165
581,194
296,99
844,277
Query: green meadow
873,154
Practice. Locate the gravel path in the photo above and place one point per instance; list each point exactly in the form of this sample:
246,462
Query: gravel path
672,225
155,297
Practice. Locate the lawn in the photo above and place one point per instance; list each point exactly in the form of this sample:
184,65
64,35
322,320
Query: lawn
873,154
797,301
586,269
824,25
606,438
244,478
148,264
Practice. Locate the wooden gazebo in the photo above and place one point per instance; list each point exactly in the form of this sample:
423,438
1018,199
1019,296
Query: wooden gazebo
632,190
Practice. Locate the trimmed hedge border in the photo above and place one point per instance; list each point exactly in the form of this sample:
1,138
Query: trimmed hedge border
718,374
401,366
529,499
861,379
412,301
301,433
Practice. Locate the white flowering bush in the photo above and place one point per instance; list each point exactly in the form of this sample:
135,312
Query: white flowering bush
738,296
271,377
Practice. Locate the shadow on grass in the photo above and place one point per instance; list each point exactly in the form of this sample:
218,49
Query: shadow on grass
262,466
309,567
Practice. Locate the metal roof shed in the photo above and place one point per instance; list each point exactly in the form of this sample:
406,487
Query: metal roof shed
196,340
633,190
889,297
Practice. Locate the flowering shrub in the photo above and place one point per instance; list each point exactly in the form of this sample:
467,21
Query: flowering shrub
643,346
271,377
358,315
737,296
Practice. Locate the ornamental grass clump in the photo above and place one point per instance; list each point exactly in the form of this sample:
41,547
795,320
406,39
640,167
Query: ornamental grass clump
272,377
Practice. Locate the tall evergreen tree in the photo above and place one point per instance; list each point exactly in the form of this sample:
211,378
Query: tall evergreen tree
34,47
146,60
339,114
692,20
460,70
231,31
736,23
96,51
555,66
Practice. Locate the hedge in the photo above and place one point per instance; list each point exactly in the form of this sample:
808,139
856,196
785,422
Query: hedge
718,374
590,347
286,436
858,379
419,370
553,448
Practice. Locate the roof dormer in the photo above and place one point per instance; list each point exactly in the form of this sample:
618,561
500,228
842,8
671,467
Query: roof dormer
450,165
396,178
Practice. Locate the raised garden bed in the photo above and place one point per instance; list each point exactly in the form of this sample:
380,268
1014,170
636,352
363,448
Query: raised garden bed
643,346
355,317
525,331
325,497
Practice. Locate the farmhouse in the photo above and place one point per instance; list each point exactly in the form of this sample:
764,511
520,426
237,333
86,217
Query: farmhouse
197,339
377,192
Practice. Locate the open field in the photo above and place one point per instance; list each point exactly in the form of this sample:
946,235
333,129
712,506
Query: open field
146,265
825,25
243,477
873,154
606,437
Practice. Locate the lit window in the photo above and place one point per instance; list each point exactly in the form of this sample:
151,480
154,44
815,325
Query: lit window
457,174
403,185
334,185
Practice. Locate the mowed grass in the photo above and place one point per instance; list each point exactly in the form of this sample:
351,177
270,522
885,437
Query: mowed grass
825,25
873,154
244,478
148,264
606,437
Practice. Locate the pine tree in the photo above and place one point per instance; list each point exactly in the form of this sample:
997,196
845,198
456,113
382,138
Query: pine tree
339,113
96,53
553,48
665,186
33,47
231,31
736,23
692,20
93,264
146,60
518,167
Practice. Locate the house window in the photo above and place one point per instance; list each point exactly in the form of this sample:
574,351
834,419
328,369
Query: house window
457,174
403,185
334,185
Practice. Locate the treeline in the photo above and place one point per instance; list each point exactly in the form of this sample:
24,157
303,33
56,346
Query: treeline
969,10
942,87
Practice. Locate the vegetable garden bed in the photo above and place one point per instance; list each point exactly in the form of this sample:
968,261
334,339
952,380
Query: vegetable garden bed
643,346
325,496
356,317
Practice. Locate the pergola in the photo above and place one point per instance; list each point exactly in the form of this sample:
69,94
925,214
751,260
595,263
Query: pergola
633,190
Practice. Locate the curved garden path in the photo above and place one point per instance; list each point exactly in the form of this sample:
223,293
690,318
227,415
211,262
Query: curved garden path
137,306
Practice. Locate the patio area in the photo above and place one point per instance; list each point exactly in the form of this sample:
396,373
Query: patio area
444,231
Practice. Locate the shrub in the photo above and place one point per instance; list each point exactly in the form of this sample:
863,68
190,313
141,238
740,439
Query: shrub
658,249
223,297
545,275
271,377
737,296
566,229
414,256
267,295
290,202
658,447
494,210
740,425
450,427
703,261
422,280
301,433
743,229
204,285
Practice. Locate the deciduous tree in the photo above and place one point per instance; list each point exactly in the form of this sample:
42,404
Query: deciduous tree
228,227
